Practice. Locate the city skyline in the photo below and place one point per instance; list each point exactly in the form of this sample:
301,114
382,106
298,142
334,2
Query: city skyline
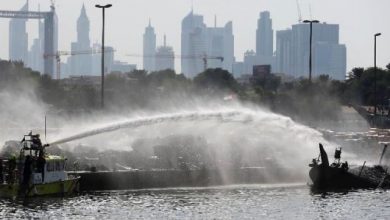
129,40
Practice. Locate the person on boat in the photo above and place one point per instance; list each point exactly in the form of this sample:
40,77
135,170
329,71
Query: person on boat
27,171
1,171
11,169
41,161
36,142
345,166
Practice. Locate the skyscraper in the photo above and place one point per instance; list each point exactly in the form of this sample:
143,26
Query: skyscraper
329,59
292,52
149,48
220,43
35,55
264,45
264,35
18,38
193,43
165,57
97,59
82,64
198,40
283,63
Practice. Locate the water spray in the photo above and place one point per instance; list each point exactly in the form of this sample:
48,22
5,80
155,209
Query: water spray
227,116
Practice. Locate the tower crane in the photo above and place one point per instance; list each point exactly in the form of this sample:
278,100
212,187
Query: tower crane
58,55
299,12
203,57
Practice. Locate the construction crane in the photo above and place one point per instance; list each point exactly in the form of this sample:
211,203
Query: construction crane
203,57
58,55
299,12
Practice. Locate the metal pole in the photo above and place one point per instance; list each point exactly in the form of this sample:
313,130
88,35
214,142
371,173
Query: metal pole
383,153
375,101
375,70
103,7
311,42
102,90
311,39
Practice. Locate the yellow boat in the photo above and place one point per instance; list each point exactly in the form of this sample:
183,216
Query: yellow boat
35,173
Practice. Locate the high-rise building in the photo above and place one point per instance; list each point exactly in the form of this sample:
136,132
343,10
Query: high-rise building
238,69
264,35
149,48
293,48
325,40
250,59
165,57
198,40
283,63
193,43
18,38
264,45
82,64
97,59
35,55
329,59
55,41
220,43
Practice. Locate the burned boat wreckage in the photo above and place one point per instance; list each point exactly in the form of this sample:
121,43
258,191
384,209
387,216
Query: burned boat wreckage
339,176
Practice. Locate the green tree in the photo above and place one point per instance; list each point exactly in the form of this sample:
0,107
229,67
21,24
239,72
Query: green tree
216,80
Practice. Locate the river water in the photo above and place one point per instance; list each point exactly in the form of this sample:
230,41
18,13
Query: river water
293,201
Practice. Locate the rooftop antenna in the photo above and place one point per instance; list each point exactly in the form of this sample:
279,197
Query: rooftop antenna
215,21
299,12
45,129
192,6
52,6
165,40
39,21
150,23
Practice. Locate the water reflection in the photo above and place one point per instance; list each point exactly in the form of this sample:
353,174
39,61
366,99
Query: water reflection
229,202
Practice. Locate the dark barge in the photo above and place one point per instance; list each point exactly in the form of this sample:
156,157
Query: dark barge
338,175
141,179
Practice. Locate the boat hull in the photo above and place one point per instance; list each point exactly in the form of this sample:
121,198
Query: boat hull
64,188
337,178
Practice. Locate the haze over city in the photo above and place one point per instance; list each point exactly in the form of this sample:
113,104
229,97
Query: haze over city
194,109
358,20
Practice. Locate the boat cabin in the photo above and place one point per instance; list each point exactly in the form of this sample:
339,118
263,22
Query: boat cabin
33,165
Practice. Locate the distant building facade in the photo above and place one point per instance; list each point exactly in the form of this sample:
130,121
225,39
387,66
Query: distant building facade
198,40
165,57
261,71
149,48
35,55
18,38
264,54
123,67
283,62
18,41
238,69
264,35
292,51
81,64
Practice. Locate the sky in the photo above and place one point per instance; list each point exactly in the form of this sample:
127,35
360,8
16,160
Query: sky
125,23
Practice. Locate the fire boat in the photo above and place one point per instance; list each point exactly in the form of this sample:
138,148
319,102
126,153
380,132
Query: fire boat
34,172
